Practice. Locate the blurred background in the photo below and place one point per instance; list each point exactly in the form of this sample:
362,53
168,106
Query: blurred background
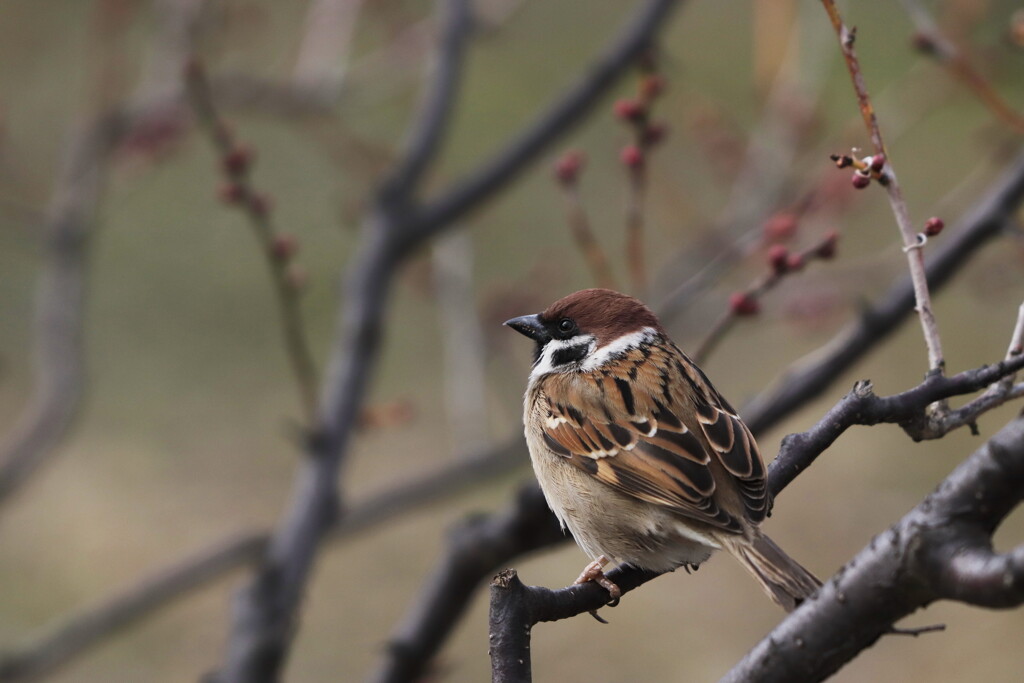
186,431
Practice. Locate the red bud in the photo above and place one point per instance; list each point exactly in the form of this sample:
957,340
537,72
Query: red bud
568,167
654,133
933,226
742,303
860,181
629,110
651,86
238,160
261,203
795,262
827,249
283,246
778,257
632,156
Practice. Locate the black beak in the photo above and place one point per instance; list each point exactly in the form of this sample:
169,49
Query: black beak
530,326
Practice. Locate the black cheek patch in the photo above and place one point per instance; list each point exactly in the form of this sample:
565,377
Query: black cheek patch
569,354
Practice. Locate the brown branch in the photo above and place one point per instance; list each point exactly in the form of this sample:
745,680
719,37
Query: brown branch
278,249
887,177
807,379
747,302
930,41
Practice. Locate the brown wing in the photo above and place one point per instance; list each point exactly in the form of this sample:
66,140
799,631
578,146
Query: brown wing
621,424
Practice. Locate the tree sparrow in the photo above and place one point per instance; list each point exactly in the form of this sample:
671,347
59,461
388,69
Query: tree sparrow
637,453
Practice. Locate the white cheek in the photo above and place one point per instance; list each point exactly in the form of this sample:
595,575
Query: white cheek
545,364
617,347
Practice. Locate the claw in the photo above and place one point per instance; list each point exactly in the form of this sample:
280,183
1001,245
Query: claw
595,572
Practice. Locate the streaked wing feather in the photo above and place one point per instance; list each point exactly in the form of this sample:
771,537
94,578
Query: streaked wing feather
627,435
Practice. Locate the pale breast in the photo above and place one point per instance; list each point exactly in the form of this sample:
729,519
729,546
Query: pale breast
603,521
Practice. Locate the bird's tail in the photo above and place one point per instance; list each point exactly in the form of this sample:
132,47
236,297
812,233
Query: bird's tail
782,578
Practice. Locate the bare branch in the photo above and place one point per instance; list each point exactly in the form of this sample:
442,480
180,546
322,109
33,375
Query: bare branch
896,574
907,567
477,549
58,363
94,624
266,609
808,379
747,302
495,172
435,111
930,41
277,248
887,177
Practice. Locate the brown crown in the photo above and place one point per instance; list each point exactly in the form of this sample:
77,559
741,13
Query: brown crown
604,313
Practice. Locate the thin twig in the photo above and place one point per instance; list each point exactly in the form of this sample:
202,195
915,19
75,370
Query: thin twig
808,378
267,608
915,259
277,249
567,172
930,41
747,302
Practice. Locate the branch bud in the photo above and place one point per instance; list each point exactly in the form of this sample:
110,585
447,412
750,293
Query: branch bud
743,303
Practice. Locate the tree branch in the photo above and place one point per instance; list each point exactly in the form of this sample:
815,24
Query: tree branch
899,572
496,172
266,609
887,178
918,560
806,380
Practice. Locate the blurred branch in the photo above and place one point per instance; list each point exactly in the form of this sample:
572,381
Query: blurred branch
91,626
886,176
567,111
930,41
266,609
747,302
942,549
278,248
465,358
60,293
567,173
73,636
326,42
477,548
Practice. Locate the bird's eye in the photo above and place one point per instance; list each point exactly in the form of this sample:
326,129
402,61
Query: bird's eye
566,325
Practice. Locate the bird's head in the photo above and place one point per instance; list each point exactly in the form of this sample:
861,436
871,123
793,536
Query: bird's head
583,331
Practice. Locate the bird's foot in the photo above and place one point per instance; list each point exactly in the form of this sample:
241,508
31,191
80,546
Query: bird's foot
595,572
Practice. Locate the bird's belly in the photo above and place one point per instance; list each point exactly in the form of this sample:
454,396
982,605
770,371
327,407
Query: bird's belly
638,533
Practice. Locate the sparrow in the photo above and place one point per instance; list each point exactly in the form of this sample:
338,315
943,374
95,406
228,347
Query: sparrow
637,453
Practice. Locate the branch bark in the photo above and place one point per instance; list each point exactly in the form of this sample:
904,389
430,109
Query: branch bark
940,550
